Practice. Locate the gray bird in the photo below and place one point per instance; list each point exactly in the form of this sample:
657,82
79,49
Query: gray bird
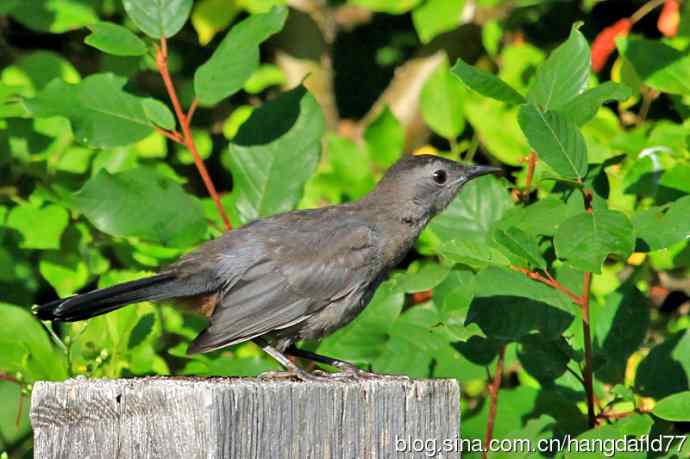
295,276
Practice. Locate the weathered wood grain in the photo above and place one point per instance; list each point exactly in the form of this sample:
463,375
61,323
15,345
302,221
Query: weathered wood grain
240,418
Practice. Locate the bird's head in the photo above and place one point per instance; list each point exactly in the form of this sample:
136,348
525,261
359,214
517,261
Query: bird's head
429,182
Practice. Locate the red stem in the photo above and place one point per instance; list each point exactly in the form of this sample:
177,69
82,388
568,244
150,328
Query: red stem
493,401
186,137
531,164
587,371
550,281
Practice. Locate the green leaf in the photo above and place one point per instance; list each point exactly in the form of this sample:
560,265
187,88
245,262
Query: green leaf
113,204
476,255
619,328
545,359
661,227
141,330
23,337
56,16
274,153
508,306
586,239
115,39
387,6
435,17
486,84
65,272
237,57
600,440
40,228
557,141
669,359
675,407
521,244
264,77
469,217
563,75
583,108
158,113
385,138
32,72
542,217
657,64
211,16
441,101
158,18
419,278
102,114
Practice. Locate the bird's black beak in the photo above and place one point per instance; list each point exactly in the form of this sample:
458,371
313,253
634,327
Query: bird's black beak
476,171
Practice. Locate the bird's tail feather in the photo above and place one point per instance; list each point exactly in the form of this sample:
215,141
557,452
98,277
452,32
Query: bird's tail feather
86,305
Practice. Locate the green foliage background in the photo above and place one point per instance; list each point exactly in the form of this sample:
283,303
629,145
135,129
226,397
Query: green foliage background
302,107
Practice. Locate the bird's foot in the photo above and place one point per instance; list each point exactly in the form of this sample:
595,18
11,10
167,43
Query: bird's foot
355,373
298,374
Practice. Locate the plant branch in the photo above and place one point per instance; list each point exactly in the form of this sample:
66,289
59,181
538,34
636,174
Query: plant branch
184,119
586,330
192,110
531,164
645,9
494,387
550,281
172,135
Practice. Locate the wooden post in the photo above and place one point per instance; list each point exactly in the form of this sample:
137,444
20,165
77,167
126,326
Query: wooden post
242,418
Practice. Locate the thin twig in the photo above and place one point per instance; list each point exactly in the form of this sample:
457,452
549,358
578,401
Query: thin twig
531,164
550,281
172,135
587,336
183,119
192,110
494,387
645,9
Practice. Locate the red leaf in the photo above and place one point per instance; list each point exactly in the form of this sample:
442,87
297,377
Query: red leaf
605,42
669,18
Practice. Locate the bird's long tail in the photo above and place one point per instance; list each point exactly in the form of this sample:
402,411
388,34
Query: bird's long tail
83,306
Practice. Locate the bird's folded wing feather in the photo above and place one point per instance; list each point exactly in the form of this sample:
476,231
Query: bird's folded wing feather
301,270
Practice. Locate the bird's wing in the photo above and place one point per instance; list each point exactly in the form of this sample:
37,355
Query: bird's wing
301,268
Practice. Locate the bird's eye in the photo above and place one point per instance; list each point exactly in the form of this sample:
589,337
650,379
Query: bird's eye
440,176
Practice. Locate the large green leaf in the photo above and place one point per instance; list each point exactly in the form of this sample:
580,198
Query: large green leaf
474,254
237,57
586,239
102,114
556,139
675,407
274,153
469,217
158,18
563,75
619,328
657,64
26,347
545,359
434,17
40,228
661,227
441,102
486,84
542,217
669,359
56,16
507,305
117,204
115,39
583,108
521,244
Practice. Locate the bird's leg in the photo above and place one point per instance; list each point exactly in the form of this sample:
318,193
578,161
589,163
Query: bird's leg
349,370
293,371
